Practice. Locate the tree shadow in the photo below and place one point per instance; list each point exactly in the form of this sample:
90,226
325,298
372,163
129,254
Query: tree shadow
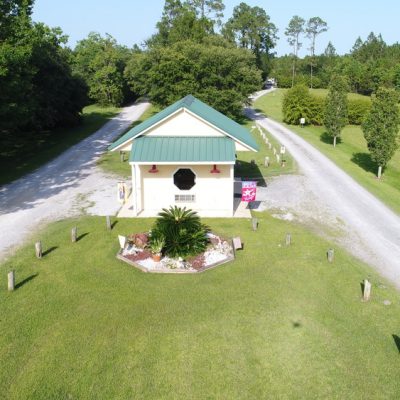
326,138
26,280
364,161
296,324
80,237
248,171
396,339
48,251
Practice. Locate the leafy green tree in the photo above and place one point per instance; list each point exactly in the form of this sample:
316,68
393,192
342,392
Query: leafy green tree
215,72
251,28
315,26
204,9
293,32
101,63
297,103
335,116
182,21
381,127
38,89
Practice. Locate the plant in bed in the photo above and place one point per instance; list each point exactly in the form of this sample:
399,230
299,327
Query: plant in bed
182,230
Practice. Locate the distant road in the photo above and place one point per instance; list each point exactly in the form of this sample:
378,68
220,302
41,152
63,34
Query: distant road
63,186
376,225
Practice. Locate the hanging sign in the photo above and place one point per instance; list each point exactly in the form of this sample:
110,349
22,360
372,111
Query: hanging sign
121,192
249,189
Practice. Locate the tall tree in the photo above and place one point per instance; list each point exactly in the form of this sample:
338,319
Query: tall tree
101,63
335,116
293,32
251,28
381,127
315,26
208,9
217,73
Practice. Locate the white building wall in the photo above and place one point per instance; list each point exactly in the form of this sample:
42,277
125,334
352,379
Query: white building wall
213,192
183,124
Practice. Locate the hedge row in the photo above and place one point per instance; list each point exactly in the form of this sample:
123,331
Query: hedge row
298,102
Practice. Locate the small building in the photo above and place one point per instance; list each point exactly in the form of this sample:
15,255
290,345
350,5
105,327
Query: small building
184,156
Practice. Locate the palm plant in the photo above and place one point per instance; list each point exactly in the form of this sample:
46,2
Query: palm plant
182,230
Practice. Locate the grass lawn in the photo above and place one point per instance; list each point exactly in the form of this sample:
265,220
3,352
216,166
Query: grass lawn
351,153
21,155
278,322
111,161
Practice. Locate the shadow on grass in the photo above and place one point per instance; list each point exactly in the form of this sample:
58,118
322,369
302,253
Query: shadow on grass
364,161
325,138
80,237
296,324
113,224
26,280
396,339
362,288
50,250
248,171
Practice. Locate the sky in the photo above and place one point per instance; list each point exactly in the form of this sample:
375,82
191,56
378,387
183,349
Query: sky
131,22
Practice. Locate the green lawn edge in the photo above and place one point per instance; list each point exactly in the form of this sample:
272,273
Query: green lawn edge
19,158
278,322
351,153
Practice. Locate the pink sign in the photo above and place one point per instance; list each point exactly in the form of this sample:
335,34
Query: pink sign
249,189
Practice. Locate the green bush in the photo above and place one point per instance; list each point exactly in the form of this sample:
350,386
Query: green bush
299,103
182,230
357,110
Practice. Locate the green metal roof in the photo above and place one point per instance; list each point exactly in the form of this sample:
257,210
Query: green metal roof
156,149
200,109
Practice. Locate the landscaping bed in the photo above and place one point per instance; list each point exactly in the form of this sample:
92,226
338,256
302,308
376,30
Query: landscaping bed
136,253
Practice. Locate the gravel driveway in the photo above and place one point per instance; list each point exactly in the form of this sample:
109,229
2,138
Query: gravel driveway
371,230
64,186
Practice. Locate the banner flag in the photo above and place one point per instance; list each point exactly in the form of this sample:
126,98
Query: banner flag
249,189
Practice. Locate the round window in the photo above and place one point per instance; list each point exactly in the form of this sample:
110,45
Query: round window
184,179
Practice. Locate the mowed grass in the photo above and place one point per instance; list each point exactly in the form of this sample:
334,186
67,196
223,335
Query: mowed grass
278,322
111,161
22,154
258,170
351,153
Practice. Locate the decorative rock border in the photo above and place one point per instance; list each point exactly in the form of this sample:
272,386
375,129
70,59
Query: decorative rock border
229,257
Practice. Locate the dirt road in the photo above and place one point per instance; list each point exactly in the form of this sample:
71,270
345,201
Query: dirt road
64,186
374,229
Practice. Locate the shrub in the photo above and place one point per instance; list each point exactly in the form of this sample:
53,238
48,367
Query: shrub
299,103
358,110
182,230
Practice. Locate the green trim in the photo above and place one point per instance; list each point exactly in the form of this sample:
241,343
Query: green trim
202,110
155,149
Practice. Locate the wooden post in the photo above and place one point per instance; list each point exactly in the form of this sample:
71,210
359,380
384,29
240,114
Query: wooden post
266,162
269,145
331,255
274,151
74,233
288,239
253,162
367,290
254,223
108,222
38,249
379,172
11,280
278,157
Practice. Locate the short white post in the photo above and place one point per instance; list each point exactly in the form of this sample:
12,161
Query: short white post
331,255
38,249
74,232
254,223
11,280
108,222
266,162
367,290
288,239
